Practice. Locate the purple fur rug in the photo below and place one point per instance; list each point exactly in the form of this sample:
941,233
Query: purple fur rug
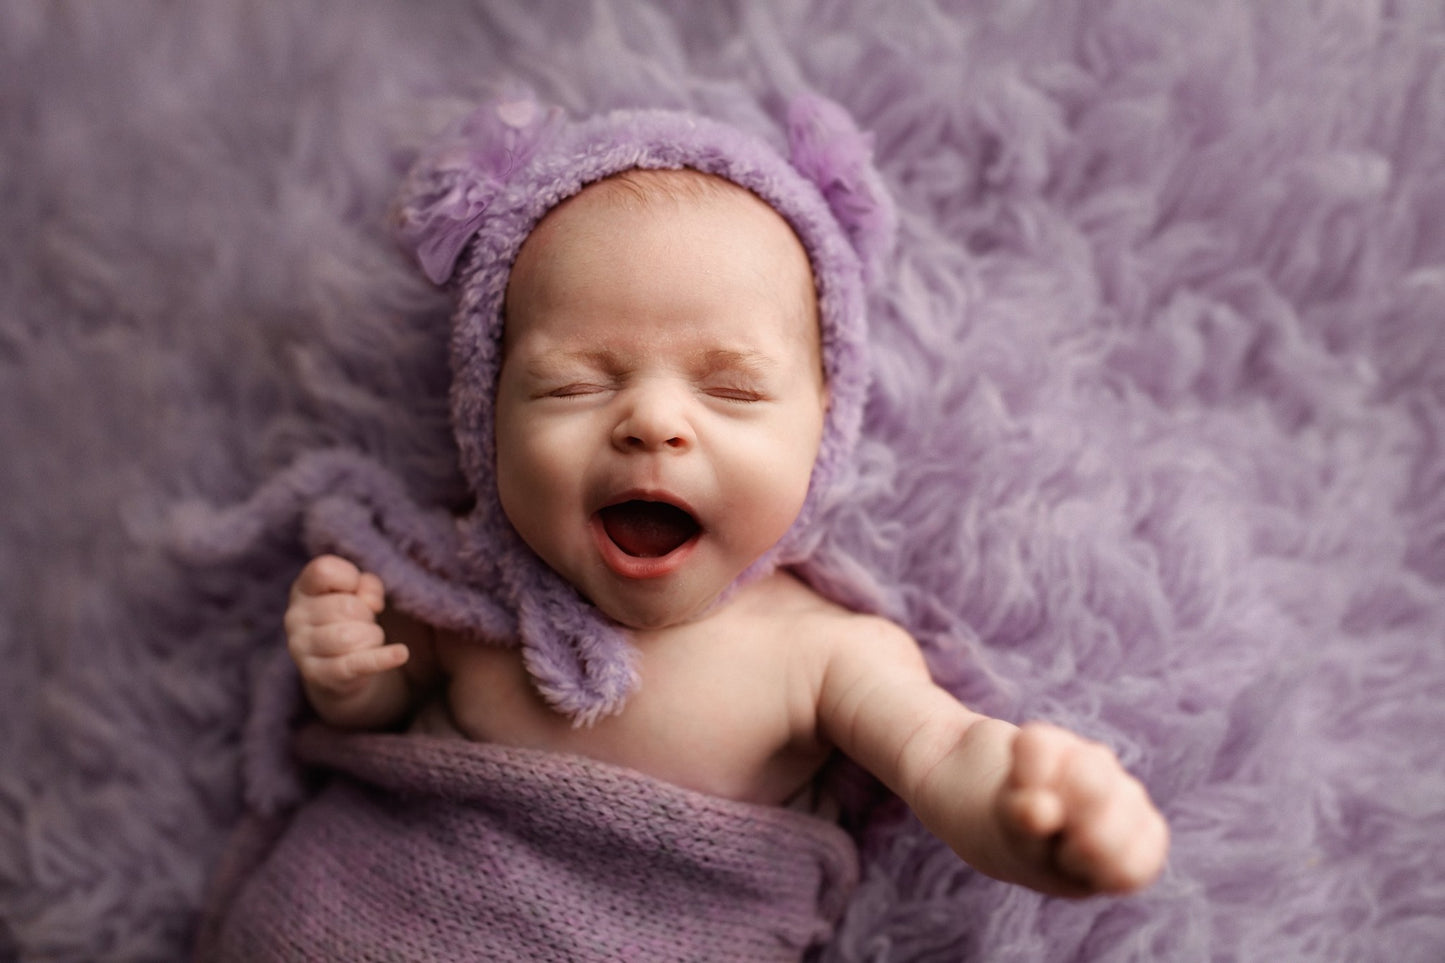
1154,451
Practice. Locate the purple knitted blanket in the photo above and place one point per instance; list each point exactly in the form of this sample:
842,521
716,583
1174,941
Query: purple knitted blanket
436,849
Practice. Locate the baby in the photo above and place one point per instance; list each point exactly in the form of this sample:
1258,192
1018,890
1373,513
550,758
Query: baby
660,404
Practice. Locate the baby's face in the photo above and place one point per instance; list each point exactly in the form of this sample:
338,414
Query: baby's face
661,398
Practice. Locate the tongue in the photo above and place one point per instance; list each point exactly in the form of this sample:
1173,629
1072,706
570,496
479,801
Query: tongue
648,529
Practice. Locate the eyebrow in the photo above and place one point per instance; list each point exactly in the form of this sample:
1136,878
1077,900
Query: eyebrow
727,359
548,362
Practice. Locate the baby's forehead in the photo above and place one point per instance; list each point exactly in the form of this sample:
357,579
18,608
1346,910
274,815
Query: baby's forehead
594,214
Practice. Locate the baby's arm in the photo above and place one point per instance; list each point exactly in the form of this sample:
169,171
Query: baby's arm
357,674
1039,806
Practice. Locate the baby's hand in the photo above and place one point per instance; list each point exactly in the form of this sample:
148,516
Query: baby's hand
1071,809
332,632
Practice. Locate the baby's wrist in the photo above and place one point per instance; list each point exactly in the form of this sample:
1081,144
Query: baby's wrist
371,702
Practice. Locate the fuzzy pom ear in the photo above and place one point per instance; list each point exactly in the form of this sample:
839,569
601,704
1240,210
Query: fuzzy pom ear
826,147
448,190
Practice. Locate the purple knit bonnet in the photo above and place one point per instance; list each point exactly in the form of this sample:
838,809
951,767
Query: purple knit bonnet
473,198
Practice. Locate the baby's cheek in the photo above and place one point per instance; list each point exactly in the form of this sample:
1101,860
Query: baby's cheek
774,490
527,476
536,471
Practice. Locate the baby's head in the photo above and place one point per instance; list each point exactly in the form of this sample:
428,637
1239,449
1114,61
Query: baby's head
662,395
658,355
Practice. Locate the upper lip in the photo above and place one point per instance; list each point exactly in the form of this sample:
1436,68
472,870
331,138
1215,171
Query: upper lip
650,495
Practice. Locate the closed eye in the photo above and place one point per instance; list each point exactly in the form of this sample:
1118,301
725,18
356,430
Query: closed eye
580,389
742,377
731,393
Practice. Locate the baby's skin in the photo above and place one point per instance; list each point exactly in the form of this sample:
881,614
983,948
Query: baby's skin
661,348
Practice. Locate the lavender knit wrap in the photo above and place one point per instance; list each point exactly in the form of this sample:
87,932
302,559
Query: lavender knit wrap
464,211
440,849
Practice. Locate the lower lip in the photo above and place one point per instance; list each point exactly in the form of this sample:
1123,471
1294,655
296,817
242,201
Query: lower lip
636,567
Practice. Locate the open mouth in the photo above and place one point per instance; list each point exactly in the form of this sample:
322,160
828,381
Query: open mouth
646,529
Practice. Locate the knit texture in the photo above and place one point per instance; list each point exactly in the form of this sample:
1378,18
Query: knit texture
435,849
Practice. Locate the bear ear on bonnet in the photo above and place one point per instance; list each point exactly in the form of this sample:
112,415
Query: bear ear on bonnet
447,192
452,184
826,147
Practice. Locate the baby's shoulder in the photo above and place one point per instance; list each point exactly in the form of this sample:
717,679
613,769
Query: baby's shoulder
814,625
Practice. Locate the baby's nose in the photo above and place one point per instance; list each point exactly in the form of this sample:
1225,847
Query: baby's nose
654,420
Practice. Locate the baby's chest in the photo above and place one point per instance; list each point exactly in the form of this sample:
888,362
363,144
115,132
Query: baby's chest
718,725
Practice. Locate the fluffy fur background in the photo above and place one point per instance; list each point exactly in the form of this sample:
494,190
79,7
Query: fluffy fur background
1154,450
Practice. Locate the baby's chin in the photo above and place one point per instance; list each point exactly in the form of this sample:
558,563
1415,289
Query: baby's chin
665,608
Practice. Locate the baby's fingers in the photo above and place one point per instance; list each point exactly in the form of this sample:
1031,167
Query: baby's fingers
369,589
1039,753
338,637
310,614
333,575
1037,813
1115,839
338,673
325,574
1031,802
1072,797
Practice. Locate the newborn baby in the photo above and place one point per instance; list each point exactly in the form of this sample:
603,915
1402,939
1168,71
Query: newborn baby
661,401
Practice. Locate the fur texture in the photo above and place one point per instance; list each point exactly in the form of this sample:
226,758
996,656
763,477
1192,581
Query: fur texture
1152,450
